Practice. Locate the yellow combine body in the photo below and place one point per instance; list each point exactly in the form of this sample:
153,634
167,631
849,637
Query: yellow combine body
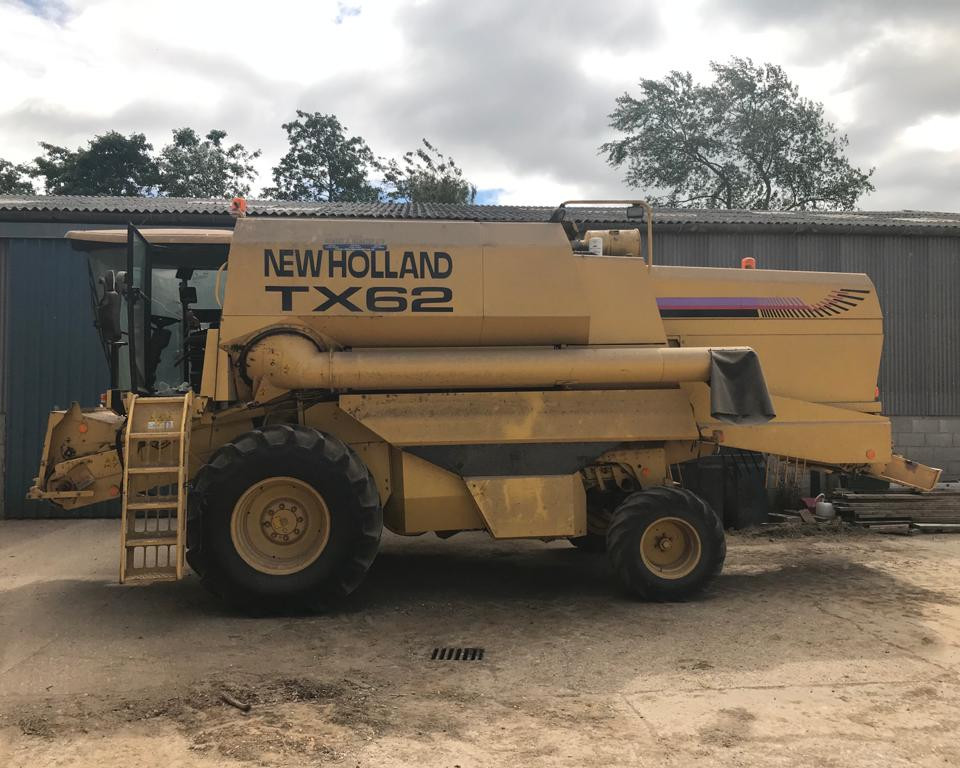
528,379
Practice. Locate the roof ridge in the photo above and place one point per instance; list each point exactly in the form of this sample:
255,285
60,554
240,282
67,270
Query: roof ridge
88,207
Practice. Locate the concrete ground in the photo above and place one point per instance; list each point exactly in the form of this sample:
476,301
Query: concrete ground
832,650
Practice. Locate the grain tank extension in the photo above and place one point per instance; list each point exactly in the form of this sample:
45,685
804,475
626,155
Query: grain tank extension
283,391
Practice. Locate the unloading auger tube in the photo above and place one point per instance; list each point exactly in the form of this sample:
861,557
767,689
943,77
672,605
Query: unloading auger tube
289,361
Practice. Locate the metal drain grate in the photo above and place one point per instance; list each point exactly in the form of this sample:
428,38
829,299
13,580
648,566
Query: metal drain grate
457,654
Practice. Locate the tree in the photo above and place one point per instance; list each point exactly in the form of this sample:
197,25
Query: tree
427,177
322,163
190,167
747,140
110,164
14,179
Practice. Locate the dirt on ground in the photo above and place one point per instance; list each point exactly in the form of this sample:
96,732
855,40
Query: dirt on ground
831,648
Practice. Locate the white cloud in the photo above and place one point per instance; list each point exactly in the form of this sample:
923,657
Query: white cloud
940,133
517,93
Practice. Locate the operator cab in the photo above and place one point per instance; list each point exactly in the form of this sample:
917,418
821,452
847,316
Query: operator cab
154,298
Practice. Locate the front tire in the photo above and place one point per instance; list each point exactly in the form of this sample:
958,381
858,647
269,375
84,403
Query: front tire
665,544
285,518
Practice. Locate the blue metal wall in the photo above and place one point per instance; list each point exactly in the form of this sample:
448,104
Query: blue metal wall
51,356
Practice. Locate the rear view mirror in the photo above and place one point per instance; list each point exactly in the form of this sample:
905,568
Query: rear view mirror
108,310
188,294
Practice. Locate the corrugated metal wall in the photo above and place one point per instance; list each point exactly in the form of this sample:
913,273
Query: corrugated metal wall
917,279
52,356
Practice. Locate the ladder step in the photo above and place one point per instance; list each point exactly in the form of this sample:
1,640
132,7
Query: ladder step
155,435
152,574
152,470
167,504
154,540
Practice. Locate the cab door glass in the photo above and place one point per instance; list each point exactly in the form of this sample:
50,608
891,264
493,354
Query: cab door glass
138,292
175,352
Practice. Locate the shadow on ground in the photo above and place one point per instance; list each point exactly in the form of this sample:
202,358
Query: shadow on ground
474,575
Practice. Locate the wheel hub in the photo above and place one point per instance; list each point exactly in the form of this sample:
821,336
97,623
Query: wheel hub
280,525
283,522
670,547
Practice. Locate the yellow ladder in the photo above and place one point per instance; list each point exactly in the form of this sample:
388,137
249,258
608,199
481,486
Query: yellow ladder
156,445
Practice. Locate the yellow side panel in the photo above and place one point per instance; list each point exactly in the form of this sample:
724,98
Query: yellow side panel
211,356
533,290
827,351
816,366
328,417
226,390
376,457
818,433
428,498
619,293
524,507
459,418
284,270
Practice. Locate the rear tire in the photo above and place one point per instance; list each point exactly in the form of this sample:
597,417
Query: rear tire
283,519
665,544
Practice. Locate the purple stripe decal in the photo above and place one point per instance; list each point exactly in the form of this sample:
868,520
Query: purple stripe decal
730,302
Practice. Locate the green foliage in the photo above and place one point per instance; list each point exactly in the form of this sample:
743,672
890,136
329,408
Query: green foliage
110,164
427,177
191,167
747,140
14,179
322,163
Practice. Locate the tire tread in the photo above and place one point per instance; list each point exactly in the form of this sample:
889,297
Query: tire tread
226,466
632,517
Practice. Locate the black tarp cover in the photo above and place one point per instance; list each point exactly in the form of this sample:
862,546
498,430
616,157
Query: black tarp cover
738,391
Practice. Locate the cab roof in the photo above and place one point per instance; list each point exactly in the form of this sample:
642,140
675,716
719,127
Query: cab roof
165,236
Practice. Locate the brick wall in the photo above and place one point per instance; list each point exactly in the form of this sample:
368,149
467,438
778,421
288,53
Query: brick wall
929,440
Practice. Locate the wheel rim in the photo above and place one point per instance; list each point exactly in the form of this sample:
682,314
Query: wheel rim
670,548
280,525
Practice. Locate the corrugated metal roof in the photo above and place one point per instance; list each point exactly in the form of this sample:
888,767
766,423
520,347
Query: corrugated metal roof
204,206
202,211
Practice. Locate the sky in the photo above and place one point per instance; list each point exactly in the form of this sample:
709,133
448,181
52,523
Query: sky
518,92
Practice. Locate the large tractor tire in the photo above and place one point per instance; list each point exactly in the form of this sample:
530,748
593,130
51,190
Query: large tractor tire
665,544
283,519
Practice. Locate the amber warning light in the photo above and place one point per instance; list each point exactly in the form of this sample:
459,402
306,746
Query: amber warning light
238,207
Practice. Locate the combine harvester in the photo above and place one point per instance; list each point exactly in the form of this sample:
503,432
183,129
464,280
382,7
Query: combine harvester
527,379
